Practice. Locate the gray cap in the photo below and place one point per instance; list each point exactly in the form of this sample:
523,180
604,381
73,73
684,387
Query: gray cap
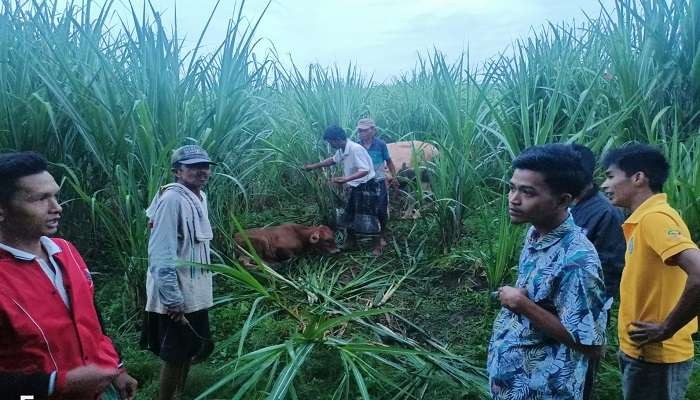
190,154
366,123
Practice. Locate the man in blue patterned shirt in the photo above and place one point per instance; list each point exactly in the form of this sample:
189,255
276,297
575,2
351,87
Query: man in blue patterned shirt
553,321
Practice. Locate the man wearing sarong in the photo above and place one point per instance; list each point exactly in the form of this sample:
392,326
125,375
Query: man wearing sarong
358,177
381,160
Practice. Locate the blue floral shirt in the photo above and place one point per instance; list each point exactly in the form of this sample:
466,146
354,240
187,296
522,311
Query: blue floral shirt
561,273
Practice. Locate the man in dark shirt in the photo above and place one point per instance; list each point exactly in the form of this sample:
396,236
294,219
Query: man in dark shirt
379,153
602,223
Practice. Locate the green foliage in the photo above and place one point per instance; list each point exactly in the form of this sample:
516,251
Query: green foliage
501,256
335,315
107,103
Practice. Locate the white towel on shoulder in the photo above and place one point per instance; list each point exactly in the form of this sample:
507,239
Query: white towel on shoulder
202,226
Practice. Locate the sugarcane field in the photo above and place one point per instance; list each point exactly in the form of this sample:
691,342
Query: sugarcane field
342,200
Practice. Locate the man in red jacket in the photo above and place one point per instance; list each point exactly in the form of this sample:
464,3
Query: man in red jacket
51,340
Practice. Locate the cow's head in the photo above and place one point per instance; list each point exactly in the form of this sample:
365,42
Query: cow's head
322,238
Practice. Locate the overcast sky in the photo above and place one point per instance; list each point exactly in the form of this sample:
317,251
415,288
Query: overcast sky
383,37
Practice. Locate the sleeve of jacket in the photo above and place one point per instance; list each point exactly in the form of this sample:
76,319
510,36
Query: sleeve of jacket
13,385
609,241
106,343
162,250
104,332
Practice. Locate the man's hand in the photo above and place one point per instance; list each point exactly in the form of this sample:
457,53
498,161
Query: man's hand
87,382
338,180
307,167
511,297
126,385
393,182
647,332
177,313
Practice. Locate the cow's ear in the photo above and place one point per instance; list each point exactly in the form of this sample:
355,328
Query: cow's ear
313,239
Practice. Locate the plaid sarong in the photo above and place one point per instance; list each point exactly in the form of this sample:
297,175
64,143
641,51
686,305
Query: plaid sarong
363,207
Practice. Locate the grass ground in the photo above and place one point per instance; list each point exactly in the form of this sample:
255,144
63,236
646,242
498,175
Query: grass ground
445,300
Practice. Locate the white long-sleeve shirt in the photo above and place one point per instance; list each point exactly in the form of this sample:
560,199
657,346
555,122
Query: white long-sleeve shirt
355,158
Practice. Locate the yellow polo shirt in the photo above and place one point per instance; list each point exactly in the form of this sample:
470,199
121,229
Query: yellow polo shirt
650,288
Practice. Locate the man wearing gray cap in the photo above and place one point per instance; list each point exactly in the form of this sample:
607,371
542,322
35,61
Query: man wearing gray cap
176,326
379,153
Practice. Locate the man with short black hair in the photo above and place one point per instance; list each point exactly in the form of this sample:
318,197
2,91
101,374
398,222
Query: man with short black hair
358,174
379,153
52,343
179,296
660,282
553,321
602,224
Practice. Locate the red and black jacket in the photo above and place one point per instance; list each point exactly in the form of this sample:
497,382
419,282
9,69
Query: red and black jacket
38,333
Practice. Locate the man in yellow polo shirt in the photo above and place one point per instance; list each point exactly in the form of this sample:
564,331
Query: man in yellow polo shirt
660,282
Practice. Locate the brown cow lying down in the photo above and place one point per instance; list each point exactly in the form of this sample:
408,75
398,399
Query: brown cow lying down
402,155
278,243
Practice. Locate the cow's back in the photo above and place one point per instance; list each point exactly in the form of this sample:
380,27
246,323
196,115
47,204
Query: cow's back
401,153
285,236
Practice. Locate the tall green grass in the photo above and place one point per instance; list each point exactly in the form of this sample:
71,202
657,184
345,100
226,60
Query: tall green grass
107,102
302,105
110,104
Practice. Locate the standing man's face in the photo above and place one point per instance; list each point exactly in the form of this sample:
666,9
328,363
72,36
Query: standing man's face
33,211
193,176
366,134
530,199
619,187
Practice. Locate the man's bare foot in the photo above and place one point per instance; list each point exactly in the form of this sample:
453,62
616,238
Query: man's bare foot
379,248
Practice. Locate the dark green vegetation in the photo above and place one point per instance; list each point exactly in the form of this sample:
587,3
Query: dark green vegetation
107,102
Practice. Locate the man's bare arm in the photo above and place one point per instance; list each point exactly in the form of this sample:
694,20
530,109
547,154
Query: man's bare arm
517,301
390,166
346,179
322,164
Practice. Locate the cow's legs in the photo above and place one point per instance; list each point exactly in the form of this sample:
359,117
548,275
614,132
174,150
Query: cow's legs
246,261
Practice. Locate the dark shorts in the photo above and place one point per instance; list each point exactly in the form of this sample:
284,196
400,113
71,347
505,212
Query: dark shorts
175,342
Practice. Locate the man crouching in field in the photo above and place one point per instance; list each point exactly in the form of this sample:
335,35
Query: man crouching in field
553,321
358,175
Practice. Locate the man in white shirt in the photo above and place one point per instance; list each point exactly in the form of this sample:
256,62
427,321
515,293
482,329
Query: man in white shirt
358,174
